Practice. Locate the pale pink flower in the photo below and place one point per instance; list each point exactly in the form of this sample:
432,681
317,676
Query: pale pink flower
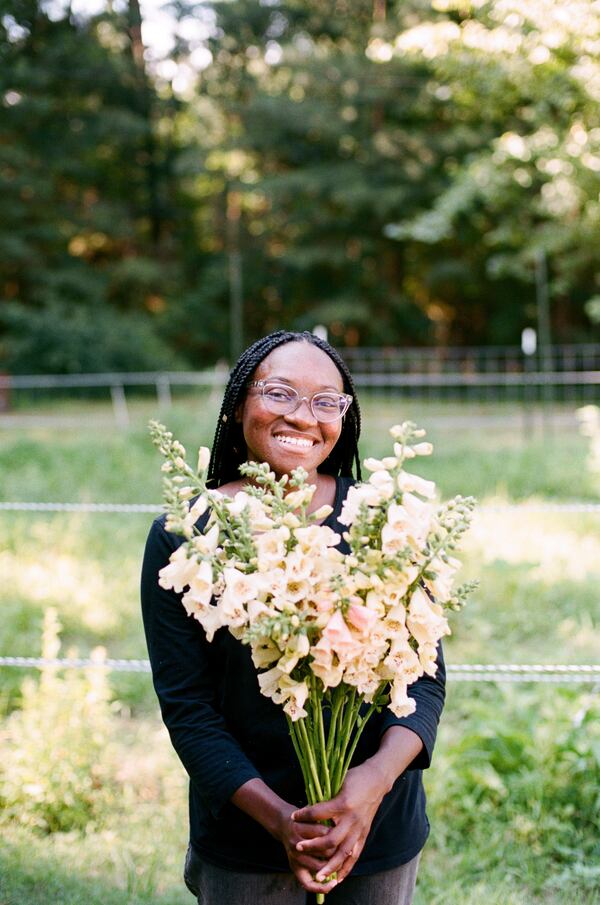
337,633
361,617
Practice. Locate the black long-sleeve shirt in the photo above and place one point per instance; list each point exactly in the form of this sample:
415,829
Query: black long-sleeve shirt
226,732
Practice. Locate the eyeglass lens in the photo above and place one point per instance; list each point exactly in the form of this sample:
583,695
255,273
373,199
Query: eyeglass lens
284,400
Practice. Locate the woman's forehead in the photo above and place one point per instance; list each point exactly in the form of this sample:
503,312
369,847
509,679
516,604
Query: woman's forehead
300,363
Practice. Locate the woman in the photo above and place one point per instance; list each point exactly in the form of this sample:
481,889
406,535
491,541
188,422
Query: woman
290,401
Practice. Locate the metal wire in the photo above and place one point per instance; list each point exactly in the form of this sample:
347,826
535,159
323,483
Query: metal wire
467,672
80,507
17,506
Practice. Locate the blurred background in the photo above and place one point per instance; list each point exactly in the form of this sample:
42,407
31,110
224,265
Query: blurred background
418,182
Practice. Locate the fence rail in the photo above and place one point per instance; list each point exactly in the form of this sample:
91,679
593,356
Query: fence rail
551,377
25,506
563,674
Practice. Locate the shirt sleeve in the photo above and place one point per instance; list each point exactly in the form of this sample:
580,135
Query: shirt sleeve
184,682
429,693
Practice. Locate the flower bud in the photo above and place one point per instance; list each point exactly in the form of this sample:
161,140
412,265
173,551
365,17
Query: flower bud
322,512
423,449
203,458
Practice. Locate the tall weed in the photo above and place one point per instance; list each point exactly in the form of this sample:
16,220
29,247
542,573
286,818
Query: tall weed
57,772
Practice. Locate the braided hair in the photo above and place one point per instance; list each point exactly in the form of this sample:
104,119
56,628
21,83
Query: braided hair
229,447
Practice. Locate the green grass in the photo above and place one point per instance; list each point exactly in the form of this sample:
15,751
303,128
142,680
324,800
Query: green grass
537,602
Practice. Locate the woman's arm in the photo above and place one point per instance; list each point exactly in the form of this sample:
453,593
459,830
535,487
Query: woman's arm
184,683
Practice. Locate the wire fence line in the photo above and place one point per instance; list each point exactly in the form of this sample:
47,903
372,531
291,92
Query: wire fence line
132,508
462,672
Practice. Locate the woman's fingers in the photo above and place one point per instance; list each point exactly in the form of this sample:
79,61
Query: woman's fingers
342,862
322,847
307,880
311,830
313,813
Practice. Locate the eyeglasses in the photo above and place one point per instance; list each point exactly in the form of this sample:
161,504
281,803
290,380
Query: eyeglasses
283,400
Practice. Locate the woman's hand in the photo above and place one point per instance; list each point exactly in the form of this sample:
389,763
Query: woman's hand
294,834
352,812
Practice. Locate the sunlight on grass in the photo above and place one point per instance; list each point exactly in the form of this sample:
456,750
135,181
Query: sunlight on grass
554,544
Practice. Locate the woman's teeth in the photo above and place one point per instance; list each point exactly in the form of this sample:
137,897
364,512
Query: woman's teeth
294,441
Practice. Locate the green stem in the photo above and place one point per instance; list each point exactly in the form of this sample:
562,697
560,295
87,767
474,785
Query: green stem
336,708
301,760
303,734
359,732
322,746
348,722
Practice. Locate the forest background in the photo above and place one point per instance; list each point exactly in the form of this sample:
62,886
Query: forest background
395,171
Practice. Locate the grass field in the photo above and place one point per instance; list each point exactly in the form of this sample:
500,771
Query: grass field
514,786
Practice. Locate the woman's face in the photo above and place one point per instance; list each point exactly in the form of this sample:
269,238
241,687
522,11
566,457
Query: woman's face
287,441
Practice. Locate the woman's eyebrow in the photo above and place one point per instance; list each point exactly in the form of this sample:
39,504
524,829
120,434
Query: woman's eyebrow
290,383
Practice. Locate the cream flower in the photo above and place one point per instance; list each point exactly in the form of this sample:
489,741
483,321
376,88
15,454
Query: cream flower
298,647
356,496
242,586
271,547
384,483
210,618
201,583
265,653
412,483
323,665
425,620
316,539
179,571
419,519
400,704
268,681
207,543
301,497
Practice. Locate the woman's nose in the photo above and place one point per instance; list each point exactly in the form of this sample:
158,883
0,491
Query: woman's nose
303,414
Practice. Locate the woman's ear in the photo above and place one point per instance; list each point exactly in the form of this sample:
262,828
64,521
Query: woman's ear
239,413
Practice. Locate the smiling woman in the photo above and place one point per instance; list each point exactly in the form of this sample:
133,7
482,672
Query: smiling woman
290,402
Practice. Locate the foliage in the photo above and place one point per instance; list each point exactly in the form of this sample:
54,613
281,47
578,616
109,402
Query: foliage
523,770
56,773
396,173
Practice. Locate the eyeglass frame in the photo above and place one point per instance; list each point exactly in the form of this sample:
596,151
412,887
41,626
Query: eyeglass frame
308,399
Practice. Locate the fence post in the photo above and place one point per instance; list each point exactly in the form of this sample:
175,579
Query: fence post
120,410
163,392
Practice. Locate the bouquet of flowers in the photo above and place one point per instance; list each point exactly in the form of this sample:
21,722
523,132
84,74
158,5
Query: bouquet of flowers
332,635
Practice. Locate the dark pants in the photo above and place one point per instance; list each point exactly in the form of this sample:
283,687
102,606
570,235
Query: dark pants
215,886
